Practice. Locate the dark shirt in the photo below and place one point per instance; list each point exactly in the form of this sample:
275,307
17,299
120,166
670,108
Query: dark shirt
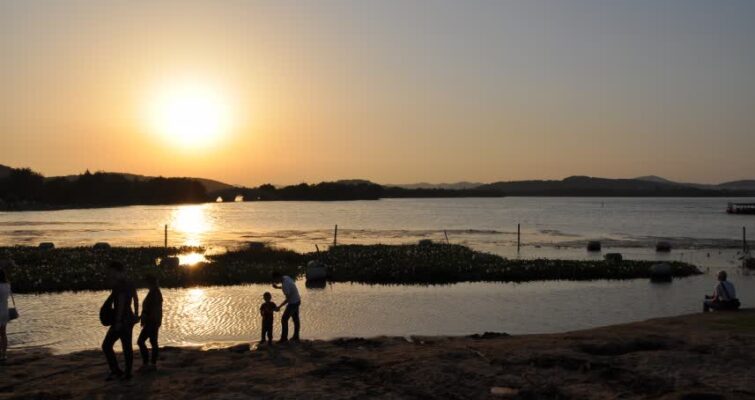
267,309
123,298
152,308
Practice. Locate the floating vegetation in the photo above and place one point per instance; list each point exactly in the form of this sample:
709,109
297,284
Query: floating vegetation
445,263
83,268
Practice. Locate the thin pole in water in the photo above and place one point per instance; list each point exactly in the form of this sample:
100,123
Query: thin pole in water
446,234
166,236
335,236
518,236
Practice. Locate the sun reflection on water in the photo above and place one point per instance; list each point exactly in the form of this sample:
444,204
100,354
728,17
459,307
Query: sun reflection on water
191,259
191,222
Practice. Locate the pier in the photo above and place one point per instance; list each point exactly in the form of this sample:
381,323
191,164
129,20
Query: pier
741,208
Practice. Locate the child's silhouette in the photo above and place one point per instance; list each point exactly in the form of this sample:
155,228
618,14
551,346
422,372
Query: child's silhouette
267,309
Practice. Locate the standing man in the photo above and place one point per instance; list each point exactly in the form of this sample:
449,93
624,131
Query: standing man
292,303
123,320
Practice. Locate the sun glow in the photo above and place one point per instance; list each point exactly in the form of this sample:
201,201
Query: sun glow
190,115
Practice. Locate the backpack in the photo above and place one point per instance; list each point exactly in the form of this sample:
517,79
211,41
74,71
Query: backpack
107,311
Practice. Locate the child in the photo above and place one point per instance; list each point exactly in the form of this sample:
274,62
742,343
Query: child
266,310
152,316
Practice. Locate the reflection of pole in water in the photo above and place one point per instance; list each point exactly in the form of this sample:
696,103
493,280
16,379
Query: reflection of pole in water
518,237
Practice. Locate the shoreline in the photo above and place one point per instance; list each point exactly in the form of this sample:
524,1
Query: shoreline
666,358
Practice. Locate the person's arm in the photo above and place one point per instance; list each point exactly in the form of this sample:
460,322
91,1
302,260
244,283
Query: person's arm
281,305
136,302
277,286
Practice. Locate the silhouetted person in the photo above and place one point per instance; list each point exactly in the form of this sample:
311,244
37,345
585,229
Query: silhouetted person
5,293
123,320
267,310
724,296
292,303
152,318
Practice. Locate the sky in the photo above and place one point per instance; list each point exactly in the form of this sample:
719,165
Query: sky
390,91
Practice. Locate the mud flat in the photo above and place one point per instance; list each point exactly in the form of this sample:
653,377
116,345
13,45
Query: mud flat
700,356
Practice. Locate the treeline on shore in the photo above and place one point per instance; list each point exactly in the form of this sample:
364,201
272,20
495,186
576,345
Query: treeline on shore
25,189
84,268
22,188
329,191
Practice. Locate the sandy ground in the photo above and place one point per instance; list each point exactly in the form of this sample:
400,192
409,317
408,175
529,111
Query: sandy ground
694,357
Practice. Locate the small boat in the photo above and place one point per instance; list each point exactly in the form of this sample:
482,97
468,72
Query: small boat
741,208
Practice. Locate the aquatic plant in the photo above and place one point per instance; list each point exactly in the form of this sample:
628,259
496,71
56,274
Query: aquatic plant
446,263
83,268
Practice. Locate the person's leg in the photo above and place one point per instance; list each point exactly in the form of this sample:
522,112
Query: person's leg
153,341
107,347
128,349
284,323
706,305
3,342
141,341
295,318
270,333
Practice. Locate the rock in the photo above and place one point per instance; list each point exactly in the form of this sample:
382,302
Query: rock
240,348
614,257
663,247
593,245
102,246
169,262
316,271
46,246
505,392
660,272
256,245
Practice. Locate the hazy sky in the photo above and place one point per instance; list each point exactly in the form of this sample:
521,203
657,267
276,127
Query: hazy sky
391,91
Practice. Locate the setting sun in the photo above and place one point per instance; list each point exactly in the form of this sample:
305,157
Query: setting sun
190,115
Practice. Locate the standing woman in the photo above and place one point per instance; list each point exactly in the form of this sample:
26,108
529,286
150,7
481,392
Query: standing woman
4,315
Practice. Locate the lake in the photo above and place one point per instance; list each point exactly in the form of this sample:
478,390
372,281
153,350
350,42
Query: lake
489,224
699,229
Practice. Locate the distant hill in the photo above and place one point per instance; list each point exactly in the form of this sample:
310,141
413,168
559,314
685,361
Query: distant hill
748,185
425,185
654,178
650,186
209,184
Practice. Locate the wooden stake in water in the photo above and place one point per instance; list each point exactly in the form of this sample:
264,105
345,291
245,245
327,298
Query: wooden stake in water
446,234
166,236
518,237
335,236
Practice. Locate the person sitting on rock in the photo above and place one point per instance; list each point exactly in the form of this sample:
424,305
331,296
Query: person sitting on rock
724,296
